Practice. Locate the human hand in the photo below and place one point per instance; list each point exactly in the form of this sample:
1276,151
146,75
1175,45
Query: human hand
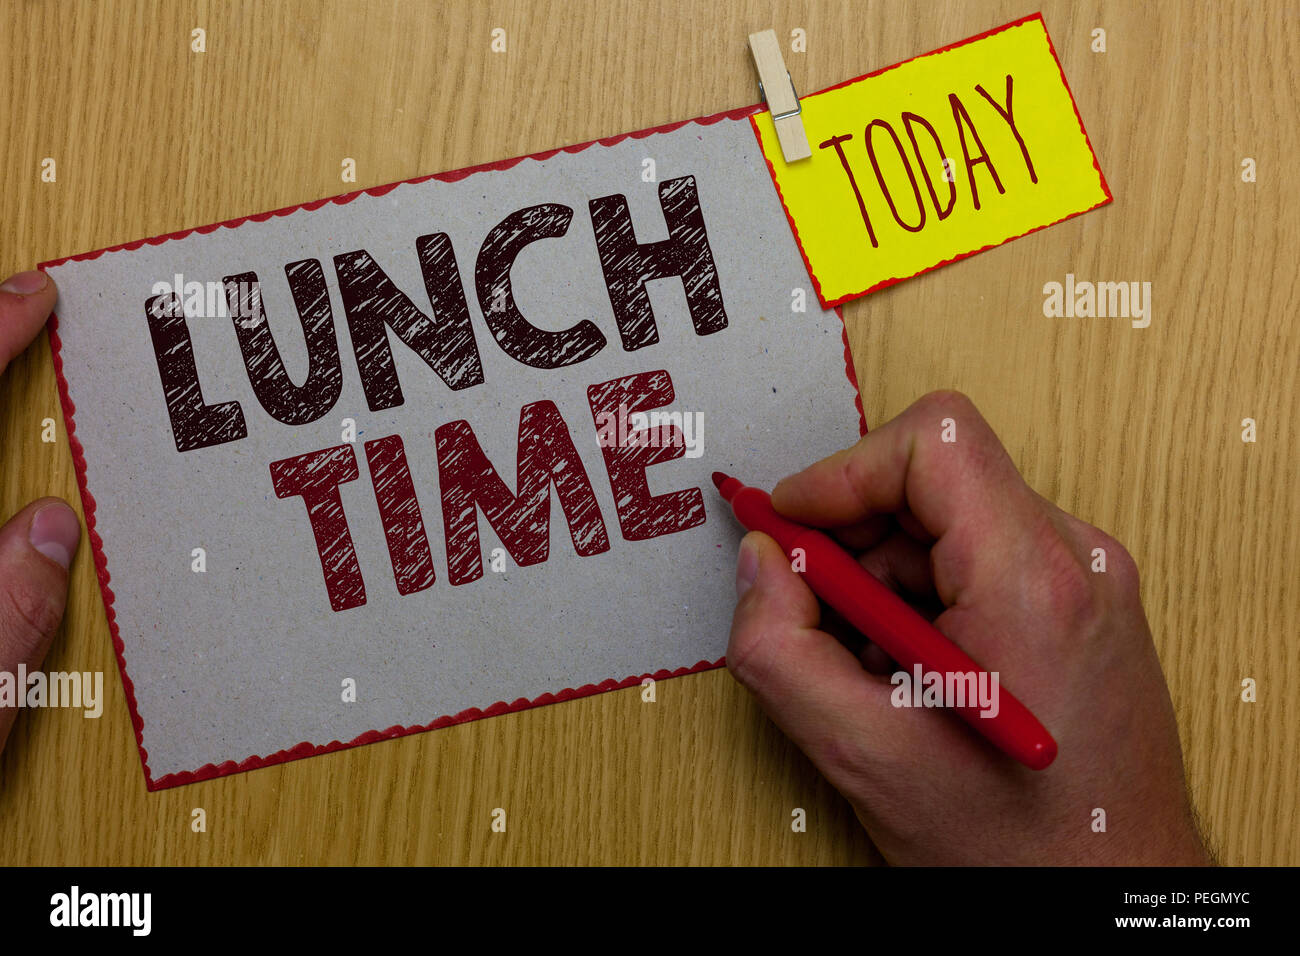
36,544
1005,574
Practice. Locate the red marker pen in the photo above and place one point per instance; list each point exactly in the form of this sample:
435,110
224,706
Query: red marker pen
837,578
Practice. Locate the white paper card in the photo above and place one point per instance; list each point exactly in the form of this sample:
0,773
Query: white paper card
242,645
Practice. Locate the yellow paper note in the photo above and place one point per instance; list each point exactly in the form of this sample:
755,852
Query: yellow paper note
935,159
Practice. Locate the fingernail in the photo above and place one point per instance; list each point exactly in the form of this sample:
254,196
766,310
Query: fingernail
746,567
55,532
25,283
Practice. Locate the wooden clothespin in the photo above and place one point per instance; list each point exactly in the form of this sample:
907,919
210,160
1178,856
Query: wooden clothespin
776,86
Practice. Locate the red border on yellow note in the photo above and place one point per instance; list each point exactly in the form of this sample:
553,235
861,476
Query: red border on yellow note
886,283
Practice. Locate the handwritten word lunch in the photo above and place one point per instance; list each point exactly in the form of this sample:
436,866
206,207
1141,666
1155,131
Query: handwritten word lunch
445,339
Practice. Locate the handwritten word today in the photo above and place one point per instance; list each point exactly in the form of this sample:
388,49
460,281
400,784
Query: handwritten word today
445,339
972,150
935,159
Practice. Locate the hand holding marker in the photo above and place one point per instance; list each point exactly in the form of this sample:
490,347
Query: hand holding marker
889,621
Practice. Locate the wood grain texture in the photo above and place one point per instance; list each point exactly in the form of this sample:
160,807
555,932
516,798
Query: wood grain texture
1136,431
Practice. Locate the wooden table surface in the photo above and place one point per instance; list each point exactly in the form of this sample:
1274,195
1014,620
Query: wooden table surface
1136,430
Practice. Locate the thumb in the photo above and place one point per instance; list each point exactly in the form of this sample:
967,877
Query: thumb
25,303
812,686
36,547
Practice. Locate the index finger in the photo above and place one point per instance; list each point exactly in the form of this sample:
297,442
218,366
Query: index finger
939,460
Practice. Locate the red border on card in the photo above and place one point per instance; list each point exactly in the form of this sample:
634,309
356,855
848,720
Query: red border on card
1105,187
305,749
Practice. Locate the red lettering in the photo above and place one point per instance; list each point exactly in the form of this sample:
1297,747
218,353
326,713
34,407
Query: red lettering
316,477
468,481
642,515
399,509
